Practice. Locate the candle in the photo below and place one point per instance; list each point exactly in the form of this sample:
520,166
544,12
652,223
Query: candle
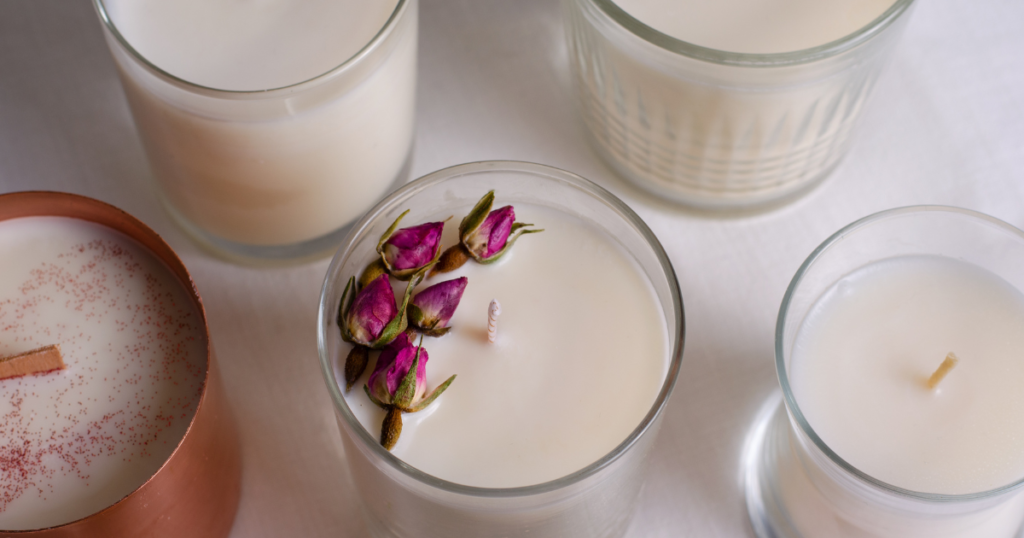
900,353
731,103
863,358
525,410
556,412
118,411
268,126
80,439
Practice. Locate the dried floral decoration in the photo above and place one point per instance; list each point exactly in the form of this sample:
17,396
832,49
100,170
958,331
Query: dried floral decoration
370,319
431,309
399,385
484,235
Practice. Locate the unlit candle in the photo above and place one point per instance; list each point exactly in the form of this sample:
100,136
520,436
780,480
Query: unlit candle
76,441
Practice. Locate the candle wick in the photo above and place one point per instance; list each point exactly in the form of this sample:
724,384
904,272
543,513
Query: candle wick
38,361
492,320
948,364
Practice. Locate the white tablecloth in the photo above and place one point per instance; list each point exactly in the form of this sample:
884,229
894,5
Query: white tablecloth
945,126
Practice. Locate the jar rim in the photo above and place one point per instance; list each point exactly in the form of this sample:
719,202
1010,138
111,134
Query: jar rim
374,43
750,59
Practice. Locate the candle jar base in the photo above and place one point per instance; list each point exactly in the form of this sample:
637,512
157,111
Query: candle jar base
767,517
782,501
786,498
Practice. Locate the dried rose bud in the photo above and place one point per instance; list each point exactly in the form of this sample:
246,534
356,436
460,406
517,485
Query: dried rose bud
487,235
492,234
454,257
398,384
431,309
355,365
369,317
409,250
393,365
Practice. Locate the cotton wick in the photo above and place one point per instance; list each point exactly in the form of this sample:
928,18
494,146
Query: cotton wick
492,320
948,364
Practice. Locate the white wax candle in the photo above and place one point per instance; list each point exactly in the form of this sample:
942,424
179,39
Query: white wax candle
581,354
75,441
756,26
863,356
711,129
271,169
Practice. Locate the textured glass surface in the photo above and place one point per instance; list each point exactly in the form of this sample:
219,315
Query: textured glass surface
712,128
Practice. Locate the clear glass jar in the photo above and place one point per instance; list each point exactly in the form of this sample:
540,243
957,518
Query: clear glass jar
719,129
796,485
399,500
277,173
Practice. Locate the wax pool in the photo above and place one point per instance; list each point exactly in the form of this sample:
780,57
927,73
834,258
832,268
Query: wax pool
581,354
75,441
863,356
275,168
756,26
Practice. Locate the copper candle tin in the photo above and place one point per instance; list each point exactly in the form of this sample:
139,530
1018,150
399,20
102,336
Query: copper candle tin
195,492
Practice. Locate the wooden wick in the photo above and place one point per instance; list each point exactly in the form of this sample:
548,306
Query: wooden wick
948,364
492,320
38,361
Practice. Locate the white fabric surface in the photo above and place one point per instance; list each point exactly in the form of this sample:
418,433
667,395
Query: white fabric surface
945,126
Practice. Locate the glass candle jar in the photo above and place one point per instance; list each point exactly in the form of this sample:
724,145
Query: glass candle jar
718,129
594,499
902,457
272,172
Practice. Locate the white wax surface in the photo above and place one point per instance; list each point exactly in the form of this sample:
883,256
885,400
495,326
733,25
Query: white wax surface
248,44
75,441
863,356
756,26
582,352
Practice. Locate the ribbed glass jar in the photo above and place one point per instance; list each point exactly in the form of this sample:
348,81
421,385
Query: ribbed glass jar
719,129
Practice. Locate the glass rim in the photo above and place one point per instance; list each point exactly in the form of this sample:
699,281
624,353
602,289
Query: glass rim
363,52
325,315
780,360
751,59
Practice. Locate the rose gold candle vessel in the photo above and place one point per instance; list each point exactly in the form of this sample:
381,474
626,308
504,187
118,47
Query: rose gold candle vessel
195,492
